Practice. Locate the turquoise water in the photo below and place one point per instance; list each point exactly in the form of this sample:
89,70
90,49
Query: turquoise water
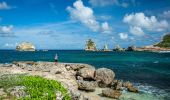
147,70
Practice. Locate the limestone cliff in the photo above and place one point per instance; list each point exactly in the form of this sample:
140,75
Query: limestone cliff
25,46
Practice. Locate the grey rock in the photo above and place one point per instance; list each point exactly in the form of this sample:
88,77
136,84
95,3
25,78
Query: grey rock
75,95
87,72
111,93
86,85
106,76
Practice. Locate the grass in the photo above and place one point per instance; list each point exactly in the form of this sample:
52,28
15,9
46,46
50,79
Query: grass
37,88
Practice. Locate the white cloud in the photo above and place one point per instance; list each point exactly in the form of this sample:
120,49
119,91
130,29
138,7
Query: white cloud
4,5
123,36
6,29
106,28
85,15
139,22
103,3
136,31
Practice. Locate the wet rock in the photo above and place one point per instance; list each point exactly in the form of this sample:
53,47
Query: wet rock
127,84
132,89
86,85
87,72
111,93
119,85
106,76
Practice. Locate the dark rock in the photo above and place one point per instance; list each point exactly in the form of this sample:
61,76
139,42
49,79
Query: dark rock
111,93
104,75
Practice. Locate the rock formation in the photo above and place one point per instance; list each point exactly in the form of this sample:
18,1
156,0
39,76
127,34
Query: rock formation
118,48
131,48
90,46
80,79
25,46
105,48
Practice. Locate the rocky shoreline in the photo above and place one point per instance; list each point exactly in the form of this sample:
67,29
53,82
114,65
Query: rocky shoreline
82,80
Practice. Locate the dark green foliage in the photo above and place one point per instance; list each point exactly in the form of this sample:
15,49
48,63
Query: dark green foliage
165,42
37,88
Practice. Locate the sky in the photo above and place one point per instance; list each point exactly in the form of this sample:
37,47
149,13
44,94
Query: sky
68,24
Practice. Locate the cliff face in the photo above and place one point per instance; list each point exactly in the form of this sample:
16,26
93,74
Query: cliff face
90,46
165,42
25,46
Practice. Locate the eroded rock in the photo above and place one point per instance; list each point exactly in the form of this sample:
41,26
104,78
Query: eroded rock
106,76
87,72
86,85
111,93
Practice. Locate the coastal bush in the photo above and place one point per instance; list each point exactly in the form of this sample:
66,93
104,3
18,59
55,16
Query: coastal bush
165,42
37,88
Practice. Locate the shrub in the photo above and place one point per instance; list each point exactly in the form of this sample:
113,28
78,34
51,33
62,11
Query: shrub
37,88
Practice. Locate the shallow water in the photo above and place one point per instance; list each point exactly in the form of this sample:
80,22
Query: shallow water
148,69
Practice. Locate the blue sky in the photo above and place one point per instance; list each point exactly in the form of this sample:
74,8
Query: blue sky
67,24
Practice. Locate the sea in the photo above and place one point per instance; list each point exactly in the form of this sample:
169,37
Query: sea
149,71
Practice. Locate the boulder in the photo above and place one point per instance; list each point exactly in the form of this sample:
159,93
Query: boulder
106,76
119,85
86,85
75,95
111,93
127,84
87,72
25,46
132,89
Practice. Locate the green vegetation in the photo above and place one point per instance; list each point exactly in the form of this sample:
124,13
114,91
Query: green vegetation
90,45
165,42
37,88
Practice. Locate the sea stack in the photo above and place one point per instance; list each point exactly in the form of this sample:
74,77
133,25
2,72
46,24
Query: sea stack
25,46
90,45
106,48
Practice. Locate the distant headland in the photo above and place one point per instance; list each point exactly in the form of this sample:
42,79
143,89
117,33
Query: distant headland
164,45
